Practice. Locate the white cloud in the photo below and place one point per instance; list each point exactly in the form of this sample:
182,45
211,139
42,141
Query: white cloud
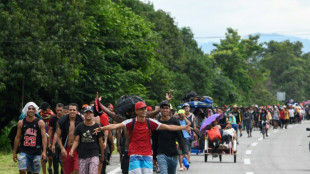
209,18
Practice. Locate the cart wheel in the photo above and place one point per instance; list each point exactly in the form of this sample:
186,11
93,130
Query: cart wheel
235,158
206,158
220,157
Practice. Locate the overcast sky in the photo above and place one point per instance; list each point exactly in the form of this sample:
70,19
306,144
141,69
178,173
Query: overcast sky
211,18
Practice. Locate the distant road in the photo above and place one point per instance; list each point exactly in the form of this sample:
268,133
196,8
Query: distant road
283,152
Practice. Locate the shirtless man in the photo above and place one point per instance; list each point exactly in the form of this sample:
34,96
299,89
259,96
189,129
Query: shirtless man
65,135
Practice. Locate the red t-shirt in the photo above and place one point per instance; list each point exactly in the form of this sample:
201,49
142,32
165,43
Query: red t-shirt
140,140
282,116
104,119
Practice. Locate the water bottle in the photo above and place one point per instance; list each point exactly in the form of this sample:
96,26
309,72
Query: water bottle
185,162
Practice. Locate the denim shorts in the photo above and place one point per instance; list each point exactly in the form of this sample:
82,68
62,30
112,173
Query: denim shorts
187,147
33,160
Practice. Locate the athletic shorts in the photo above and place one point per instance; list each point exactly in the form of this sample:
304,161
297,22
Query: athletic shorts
70,163
139,164
34,162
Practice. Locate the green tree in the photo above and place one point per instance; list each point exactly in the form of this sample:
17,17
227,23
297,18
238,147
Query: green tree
288,68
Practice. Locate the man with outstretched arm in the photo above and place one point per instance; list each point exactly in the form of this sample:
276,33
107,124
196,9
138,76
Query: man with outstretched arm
140,130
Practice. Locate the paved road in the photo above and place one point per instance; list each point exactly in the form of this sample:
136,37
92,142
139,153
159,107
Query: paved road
283,152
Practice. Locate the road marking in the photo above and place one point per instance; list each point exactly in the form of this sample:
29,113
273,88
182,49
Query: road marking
248,152
247,161
249,173
253,144
260,139
115,171
290,126
275,131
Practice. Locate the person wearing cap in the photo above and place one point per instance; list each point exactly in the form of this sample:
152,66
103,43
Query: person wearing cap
65,138
164,142
236,113
287,116
140,148
291,112
88,144
30,140
282,117
190,117
186,138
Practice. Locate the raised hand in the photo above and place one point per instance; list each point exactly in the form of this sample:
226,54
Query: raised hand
169,95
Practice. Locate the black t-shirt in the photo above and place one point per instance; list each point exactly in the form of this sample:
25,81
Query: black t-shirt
248,117
53,123
89,143
237,116
164,141
263,116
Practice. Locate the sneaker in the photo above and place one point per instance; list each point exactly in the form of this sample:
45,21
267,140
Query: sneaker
240,134
50,171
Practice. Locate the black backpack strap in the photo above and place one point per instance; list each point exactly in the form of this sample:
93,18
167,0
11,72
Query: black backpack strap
133,124
149,125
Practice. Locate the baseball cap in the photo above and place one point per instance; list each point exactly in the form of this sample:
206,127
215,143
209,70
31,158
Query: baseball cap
89,108
165,102
181,111
140,105
149,108
185,105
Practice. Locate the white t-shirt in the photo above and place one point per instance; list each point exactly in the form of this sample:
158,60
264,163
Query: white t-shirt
230,131
291,112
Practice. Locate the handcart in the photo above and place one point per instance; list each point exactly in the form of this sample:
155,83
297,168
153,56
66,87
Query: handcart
221,150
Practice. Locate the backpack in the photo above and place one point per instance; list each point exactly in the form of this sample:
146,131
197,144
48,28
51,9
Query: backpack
126,103
12,135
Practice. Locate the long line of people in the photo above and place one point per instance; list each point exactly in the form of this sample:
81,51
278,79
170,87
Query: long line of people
83,141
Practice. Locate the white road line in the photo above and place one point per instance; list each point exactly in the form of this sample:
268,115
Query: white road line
247,161
248,152
260,139
254,144
249,172
115,171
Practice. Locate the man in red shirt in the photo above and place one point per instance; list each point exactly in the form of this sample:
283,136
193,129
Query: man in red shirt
282,117
140,148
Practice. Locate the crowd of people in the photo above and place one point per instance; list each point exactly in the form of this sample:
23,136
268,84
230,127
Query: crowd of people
82,141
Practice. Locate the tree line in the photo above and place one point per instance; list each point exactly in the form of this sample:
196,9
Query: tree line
66,51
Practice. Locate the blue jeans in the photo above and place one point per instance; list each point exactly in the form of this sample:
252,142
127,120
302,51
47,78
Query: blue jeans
33,160
167,164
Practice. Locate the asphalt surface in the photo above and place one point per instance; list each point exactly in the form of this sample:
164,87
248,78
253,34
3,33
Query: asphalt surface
285,151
